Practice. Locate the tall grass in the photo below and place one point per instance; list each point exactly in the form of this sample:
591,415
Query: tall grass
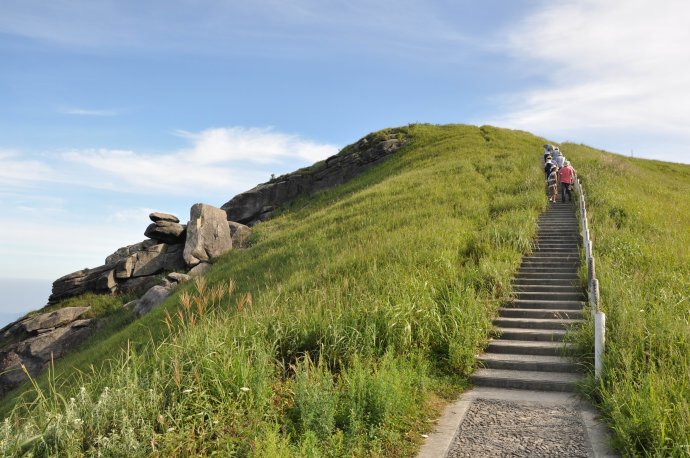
335,334
639,214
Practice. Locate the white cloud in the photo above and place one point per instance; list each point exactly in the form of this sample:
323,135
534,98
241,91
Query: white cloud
216,161
18,172
619,65
88,112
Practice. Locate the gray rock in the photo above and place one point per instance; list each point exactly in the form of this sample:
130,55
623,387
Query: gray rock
199,270
159,216
259,203
53,319
153,297
166,232
154,260
36,353
240,234
178,277
124,252
208,234
137,285
98,280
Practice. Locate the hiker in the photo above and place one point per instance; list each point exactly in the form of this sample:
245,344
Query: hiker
559,158
566,176
548,149
548,165
552,183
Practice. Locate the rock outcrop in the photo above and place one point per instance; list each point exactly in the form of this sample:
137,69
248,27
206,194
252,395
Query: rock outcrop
208,234
258,203
34,341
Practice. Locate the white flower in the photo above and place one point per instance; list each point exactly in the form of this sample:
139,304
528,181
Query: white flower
187,391
244,388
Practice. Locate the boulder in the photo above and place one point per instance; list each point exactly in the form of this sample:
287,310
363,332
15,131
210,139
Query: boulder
98,280
151,261
36,353
240,234
153,297
137,286
166,232
159,216
178,277
208,234
53,319
126,251
199,269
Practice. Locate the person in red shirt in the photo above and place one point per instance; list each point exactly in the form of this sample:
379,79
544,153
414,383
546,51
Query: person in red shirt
566,176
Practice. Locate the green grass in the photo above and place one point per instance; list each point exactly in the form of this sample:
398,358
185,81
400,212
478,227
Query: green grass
351,317
355,313
639,213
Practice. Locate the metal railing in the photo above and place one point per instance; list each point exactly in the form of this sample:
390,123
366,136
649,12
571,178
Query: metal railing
592,287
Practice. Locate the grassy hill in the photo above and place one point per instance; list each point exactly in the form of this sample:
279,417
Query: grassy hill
355,313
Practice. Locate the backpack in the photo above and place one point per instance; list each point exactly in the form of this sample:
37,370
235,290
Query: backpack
548,166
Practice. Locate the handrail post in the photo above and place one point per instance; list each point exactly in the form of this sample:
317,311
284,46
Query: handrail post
599,343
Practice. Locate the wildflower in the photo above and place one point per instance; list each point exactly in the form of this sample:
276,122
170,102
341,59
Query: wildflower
244,388
171,429
187,391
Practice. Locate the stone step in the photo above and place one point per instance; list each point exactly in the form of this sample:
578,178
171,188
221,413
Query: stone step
551,295
546,281
545,287
543,304
526,380
527,362
548,271
541,266
510,312
541,335
551,261
535,323
555,247
528,347
572,276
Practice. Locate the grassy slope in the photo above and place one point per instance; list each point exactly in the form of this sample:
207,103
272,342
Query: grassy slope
639,216
366,303
369,300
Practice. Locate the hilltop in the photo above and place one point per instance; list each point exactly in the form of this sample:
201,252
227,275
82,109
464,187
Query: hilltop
355,312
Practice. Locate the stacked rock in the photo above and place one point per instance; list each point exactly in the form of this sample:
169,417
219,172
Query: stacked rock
166,228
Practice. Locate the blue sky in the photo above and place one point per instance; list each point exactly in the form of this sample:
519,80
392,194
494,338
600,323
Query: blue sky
112,109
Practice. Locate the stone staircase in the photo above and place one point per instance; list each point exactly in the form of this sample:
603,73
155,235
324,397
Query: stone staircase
528,352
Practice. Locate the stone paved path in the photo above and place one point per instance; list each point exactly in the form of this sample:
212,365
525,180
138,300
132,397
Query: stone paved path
505,428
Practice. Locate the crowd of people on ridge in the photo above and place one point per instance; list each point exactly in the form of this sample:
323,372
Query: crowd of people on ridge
558,171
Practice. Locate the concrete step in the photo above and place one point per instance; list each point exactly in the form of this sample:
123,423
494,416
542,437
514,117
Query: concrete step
527,347
546,281
527,362
526,380
510,312
549,305
551,261
547,288
551,295
548,271
572,276
535,323
539,266
555,247
541,335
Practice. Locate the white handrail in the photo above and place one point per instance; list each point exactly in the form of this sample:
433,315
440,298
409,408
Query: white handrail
592,288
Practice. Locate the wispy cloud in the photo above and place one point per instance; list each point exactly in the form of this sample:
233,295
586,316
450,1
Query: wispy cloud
297,27
88,112
618,66
19,172
216,160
